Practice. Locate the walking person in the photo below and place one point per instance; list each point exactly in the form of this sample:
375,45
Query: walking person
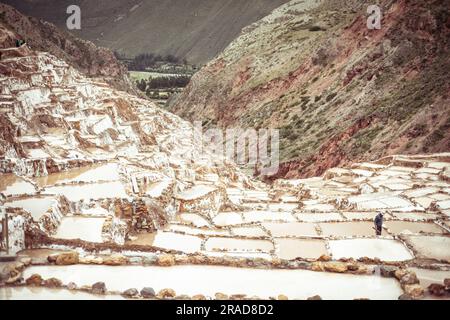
379,223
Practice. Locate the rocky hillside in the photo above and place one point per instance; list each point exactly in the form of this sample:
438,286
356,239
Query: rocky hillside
83,55
56,123
338,91
193,29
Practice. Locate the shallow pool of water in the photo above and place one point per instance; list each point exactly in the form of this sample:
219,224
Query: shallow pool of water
227,219
397,227
427,276
197,231
193,219
343,229
94,173
249,231
433,247
11,185
260,216
290,229
90,191
384,249
36,206
207,280
300,248
176,241
319,217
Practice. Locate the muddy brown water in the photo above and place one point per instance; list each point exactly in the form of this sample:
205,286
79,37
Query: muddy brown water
10,184
106,190
300,248
398,227
342,229
93,173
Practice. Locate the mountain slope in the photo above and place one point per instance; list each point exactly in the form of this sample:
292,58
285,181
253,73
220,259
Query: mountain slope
83,55
192,29
338,91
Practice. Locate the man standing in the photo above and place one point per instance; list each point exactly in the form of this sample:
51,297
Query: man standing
379,223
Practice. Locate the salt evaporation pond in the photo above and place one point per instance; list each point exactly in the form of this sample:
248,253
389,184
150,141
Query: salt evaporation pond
31,293
90,191
291,229
87,229
208,280
303,248
105,172
427,277
176,241
384,249
35,206
12,185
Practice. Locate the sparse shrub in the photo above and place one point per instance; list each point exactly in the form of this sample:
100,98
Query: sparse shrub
331,96
316,28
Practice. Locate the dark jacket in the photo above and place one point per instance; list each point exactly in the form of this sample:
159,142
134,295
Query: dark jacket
379,220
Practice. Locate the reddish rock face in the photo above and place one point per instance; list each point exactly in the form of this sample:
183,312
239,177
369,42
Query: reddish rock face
339,95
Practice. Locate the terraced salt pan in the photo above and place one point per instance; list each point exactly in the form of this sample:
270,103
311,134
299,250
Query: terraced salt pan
424,202
156,189
440,196
32,293
260,216
176,241
360,215
320,207
249,231
37,154
208,280
438,165
385,250
433,247
194,219
443,205
299,248
421,192
12,185
196,231
227,219
87,229
143,239
282,206
95,173
407,227
291,229
231,244
95,211
346,229
196,192
376,201
427,277
319,217
94,191
414,215
35,206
